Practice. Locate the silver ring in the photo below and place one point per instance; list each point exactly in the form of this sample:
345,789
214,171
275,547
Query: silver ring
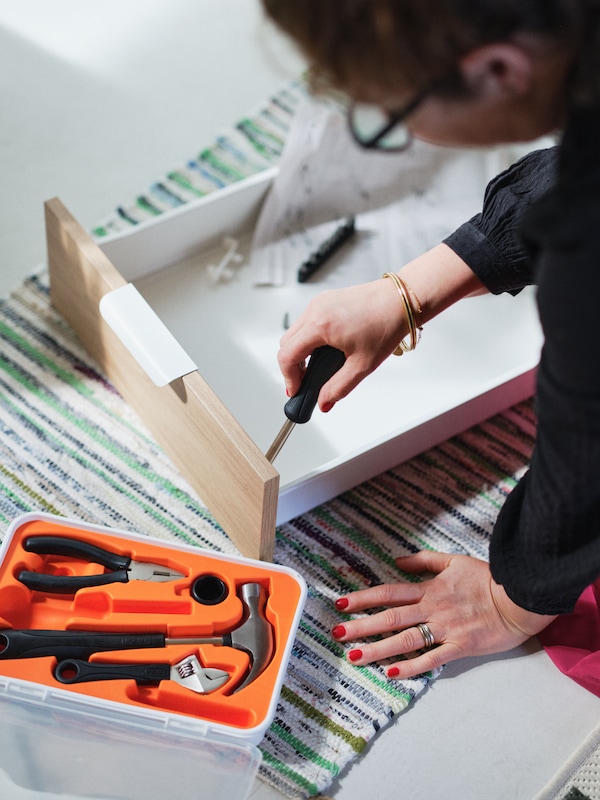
428,638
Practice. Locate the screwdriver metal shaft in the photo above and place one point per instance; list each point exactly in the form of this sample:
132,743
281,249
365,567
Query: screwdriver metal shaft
281,438
324,362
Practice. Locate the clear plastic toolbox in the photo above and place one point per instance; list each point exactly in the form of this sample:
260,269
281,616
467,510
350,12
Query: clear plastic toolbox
155,730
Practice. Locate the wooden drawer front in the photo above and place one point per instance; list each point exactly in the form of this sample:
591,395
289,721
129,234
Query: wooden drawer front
206,443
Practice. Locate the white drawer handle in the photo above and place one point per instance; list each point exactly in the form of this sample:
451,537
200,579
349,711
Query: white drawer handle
145,336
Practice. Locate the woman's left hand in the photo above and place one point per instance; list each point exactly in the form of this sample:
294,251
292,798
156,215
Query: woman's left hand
467,613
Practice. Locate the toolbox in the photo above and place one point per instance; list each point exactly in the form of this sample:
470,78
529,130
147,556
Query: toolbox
197,360
146,656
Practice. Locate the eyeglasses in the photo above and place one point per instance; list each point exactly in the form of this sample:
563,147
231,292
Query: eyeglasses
373,128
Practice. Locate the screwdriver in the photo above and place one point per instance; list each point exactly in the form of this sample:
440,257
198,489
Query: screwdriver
324,362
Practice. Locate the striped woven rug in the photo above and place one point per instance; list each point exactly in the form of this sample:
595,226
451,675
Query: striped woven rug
70,445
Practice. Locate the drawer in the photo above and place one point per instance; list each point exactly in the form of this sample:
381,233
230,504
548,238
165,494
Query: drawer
218,419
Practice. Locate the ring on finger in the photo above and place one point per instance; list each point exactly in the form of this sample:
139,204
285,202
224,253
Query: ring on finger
428,637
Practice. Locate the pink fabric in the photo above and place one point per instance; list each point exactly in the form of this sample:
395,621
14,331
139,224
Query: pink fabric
573,640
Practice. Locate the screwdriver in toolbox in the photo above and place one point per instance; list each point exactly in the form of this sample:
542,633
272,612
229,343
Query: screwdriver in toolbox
324,362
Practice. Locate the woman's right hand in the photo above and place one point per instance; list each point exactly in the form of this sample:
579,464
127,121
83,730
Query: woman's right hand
366,322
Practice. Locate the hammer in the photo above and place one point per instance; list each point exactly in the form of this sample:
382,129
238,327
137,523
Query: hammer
254,637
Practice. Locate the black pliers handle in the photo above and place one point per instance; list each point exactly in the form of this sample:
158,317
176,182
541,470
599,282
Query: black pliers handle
121,568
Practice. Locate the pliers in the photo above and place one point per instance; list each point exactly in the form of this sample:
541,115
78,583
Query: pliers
121,568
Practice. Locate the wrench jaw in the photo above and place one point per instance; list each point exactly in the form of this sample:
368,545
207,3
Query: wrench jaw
190,674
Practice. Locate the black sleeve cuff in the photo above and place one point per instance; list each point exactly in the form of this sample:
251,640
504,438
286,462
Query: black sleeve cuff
490,243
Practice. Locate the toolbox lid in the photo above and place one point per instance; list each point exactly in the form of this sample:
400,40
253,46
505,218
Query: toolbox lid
51,748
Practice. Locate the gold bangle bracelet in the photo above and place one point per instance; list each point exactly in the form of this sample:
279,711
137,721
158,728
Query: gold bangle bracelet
414,330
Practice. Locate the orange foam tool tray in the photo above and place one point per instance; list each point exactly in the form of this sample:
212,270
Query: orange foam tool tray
140,606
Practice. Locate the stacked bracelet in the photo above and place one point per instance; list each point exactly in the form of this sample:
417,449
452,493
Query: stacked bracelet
414,331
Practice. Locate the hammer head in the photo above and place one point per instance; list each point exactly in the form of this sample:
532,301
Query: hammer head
255,635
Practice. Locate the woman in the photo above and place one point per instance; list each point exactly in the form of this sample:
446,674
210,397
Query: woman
459,72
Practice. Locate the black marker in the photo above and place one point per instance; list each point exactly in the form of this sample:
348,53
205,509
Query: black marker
326,250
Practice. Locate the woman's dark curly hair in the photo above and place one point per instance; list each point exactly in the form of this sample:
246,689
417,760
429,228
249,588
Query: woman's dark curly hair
407,45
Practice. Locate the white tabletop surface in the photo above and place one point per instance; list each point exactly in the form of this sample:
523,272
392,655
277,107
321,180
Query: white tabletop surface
99,99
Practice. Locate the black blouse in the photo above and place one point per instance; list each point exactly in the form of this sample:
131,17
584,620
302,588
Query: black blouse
541,224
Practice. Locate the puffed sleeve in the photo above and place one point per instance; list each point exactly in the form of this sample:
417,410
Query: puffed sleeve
545,548
489,242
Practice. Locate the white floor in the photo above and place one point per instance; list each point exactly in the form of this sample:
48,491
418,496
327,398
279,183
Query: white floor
97,100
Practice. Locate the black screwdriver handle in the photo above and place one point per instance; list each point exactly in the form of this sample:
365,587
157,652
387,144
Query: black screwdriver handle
73,670
75,548
71,644
324,363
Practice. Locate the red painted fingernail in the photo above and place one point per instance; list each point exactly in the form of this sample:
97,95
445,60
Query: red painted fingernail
341,604
338,631
327,407
355,655
393,672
